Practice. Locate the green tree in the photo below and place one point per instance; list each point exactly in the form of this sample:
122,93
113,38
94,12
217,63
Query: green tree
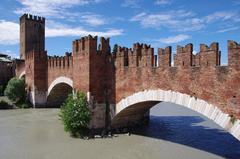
75,115
15,90
115,48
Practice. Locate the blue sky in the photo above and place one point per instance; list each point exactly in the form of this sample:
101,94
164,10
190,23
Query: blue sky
160,23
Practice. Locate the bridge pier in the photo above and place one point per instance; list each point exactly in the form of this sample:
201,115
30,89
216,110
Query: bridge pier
38,98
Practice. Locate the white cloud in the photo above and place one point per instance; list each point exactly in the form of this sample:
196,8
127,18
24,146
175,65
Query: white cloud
228,29
93,19
62,9
221,16
182,21
173,39
9,32
78,31
179,20
163,2
131,3
54,8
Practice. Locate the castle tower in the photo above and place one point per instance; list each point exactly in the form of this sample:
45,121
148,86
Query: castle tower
32,34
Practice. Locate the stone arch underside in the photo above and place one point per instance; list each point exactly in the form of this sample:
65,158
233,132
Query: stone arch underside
137,105
58,91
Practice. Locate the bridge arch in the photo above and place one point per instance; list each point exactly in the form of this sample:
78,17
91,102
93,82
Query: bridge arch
141,102
58,91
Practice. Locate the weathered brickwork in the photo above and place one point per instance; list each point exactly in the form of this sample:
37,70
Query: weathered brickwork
107,77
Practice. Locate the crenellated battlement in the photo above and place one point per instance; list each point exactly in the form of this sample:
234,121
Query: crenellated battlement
142,55
32,18
84,43
60,61
139,55
88,44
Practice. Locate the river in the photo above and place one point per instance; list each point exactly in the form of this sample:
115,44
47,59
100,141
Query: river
174,132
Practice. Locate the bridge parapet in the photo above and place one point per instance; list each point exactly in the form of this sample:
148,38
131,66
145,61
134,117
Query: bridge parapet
60,62
141,55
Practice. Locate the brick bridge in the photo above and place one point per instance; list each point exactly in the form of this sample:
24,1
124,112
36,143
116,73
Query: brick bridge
124,85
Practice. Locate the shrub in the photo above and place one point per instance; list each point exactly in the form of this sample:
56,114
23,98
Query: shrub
5,105
75,115
23,105
15,90
1,90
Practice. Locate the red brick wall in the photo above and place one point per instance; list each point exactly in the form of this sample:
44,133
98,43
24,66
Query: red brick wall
119,75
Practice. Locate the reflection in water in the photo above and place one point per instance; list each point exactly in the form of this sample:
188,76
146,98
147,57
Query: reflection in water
174,132
186,130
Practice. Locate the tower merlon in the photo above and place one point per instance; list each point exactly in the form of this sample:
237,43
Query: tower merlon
233,45
186,48
167,50
32,18
213,47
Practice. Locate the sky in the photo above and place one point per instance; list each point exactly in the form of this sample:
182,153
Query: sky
160,23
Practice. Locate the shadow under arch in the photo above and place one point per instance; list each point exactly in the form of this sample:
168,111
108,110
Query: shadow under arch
136,106
58,91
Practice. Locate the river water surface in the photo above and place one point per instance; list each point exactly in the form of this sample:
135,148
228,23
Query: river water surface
174,132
